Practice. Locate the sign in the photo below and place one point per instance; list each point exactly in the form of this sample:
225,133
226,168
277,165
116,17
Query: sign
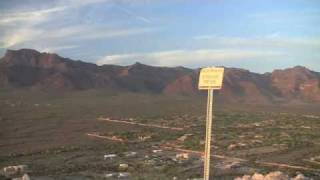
211,78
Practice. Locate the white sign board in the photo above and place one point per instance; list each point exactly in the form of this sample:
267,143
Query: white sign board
211,78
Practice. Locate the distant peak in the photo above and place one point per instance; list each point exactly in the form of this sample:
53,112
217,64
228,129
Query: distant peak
31,57
26,51
138,64
22,51
300,68
12,55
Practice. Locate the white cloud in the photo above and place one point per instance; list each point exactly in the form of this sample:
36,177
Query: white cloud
53,49
81,2
270,41
35,16
21,26
33,35
31,27
135,15
188,57
19,36
285,15
89,32
205,37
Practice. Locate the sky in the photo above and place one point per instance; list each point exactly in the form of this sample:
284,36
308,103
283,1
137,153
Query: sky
258,35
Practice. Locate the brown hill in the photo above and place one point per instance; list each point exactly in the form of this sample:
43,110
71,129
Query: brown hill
238,85
28,68
32,69
297,83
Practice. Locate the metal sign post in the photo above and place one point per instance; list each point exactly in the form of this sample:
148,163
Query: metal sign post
208,135
210,79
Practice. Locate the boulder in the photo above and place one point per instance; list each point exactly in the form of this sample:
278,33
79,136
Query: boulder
12,171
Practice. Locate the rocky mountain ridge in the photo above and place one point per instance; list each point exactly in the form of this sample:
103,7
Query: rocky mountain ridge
27,68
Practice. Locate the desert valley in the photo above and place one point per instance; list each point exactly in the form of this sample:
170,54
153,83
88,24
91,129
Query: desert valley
66,119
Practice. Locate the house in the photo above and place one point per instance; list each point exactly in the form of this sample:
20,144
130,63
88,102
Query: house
109,156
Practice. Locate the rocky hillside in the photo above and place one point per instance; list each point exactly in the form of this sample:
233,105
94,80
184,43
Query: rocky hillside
31,69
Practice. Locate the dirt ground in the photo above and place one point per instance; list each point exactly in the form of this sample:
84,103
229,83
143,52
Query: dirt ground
48,133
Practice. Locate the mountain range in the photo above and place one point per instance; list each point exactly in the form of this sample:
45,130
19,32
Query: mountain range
30,69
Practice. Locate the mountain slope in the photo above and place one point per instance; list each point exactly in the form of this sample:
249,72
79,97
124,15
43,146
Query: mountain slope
238,85
297,83
28,68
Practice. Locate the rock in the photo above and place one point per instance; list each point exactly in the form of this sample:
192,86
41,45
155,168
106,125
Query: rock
25,177
257,176
300,177
11,171
276,176
245,177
